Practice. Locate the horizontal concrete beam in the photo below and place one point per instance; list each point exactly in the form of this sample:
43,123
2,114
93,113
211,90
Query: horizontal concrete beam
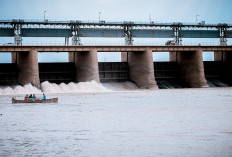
11,48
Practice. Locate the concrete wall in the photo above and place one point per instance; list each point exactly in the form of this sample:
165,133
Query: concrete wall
191,68
86,64
141,69
28,69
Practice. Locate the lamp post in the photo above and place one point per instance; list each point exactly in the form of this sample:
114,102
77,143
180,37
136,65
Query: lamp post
44,15
197,18
99,16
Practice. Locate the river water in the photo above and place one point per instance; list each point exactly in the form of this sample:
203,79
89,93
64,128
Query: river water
115,120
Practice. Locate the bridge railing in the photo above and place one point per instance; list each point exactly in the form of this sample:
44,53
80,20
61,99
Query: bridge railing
55,21
111,43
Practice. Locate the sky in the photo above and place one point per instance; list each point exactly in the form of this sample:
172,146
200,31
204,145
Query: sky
210,11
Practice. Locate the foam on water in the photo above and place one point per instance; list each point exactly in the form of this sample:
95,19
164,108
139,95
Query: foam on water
81,87
91,86
121,86
26,89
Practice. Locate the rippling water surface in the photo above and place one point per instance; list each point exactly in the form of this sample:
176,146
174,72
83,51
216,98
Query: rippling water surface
113,123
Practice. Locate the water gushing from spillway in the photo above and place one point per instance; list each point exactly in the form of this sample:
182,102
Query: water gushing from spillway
48,87
26,89
72,87
92,87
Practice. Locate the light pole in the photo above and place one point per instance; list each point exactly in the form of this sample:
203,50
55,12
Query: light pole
197,18
99,16
44,15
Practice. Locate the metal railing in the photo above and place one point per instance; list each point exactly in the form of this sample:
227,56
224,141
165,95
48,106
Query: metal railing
111,43
53,21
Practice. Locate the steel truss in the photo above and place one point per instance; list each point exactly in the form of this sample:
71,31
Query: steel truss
17,34
177,35
75,35
126,26
223,39
128,35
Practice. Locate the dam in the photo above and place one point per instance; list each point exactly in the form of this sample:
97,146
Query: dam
186,67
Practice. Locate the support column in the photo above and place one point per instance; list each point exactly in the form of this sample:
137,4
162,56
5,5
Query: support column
13,57
142,69
87,66
218,56
124,56
28,68
172,56
192,68
71,57
227,66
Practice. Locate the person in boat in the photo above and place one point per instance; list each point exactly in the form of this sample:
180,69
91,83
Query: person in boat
44,97
30,96
26,97
33,96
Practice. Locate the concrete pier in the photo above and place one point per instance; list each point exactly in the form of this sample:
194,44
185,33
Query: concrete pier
86,64
227,66
142,69
124,56
218,56
172,56
13,57
28,69
71,57
191,68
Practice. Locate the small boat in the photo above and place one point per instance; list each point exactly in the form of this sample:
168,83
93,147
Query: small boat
53,100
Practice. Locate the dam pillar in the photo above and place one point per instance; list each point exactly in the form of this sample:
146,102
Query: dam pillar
227,65
124,56
13,57
28,68
192,68
172,56
218,56
86,64
71,57
141,69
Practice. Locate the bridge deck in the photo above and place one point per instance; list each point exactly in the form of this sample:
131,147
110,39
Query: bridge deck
11,48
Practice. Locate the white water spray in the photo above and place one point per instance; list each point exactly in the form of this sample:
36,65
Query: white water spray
71,87
81,87
27,89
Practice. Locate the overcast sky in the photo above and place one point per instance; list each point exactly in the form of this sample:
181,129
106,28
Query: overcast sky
211,11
